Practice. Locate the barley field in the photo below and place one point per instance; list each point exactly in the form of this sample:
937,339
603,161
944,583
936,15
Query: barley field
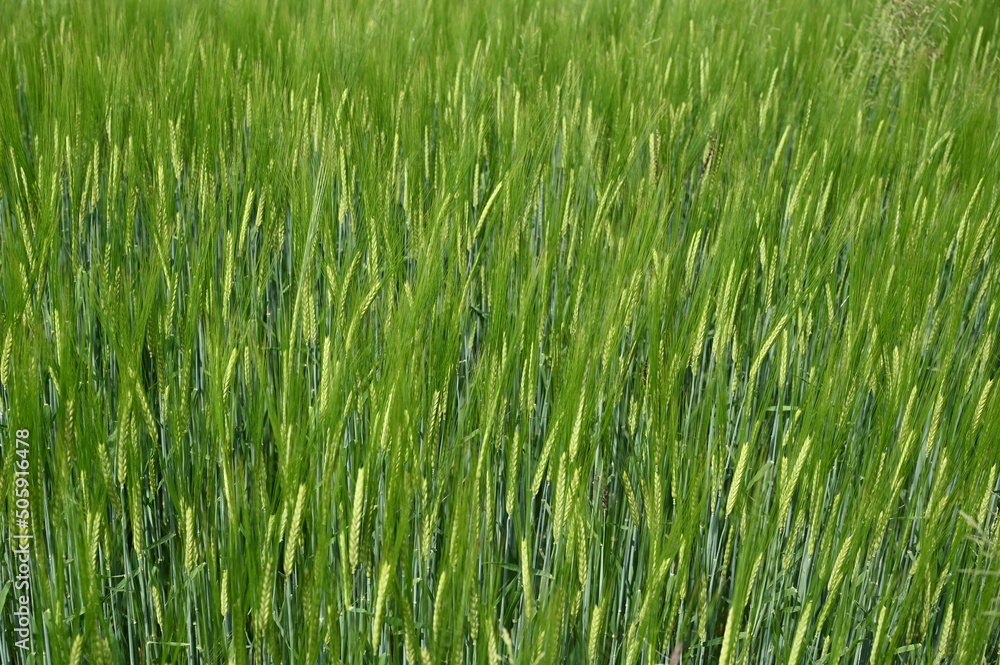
509,333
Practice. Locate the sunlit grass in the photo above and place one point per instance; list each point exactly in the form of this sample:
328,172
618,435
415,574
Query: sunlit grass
508,332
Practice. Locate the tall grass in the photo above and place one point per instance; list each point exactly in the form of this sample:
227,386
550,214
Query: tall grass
502,332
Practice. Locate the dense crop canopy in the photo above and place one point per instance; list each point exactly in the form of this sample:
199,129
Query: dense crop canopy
496,332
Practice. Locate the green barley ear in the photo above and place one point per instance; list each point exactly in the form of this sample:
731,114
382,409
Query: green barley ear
935,422
583,555
410,641
437,623
594,638
227,381
262,617
137,518
984,506
190,549
633,504
981,405
699,339
741,466
5,358
788,489
838,565
526,574
245,221
357,513
559,499
798,642
513,468
536,483
158,607
101,651
94,532
224,593
944,642
574,441
124,442
326,377
291,545
105,462
493,648
76,651
383,583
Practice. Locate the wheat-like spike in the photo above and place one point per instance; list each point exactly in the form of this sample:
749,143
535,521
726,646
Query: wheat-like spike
356,516
105,460
633,505
515,464
961,650
227,272
632,644
741,466
574,441
904,427
245,222
935,422
594,638
283,521
69,431
439,601
124,436
727,637
654,504
536,483
789,489
427,534
410,637
309,325
383,583
102,651
984,506
583,554
147,413
190,549
224,593
838,566
765,347
292,544
494,647
262,618
800,635
94,532
474,613
327,377
879,631
528,593
158,606
560,499
574,488
689,263
384,440
76,651
227,381
981,405
944,643
753,573
702,613
135,507
699,339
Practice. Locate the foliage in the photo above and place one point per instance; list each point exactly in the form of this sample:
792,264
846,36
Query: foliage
501,332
